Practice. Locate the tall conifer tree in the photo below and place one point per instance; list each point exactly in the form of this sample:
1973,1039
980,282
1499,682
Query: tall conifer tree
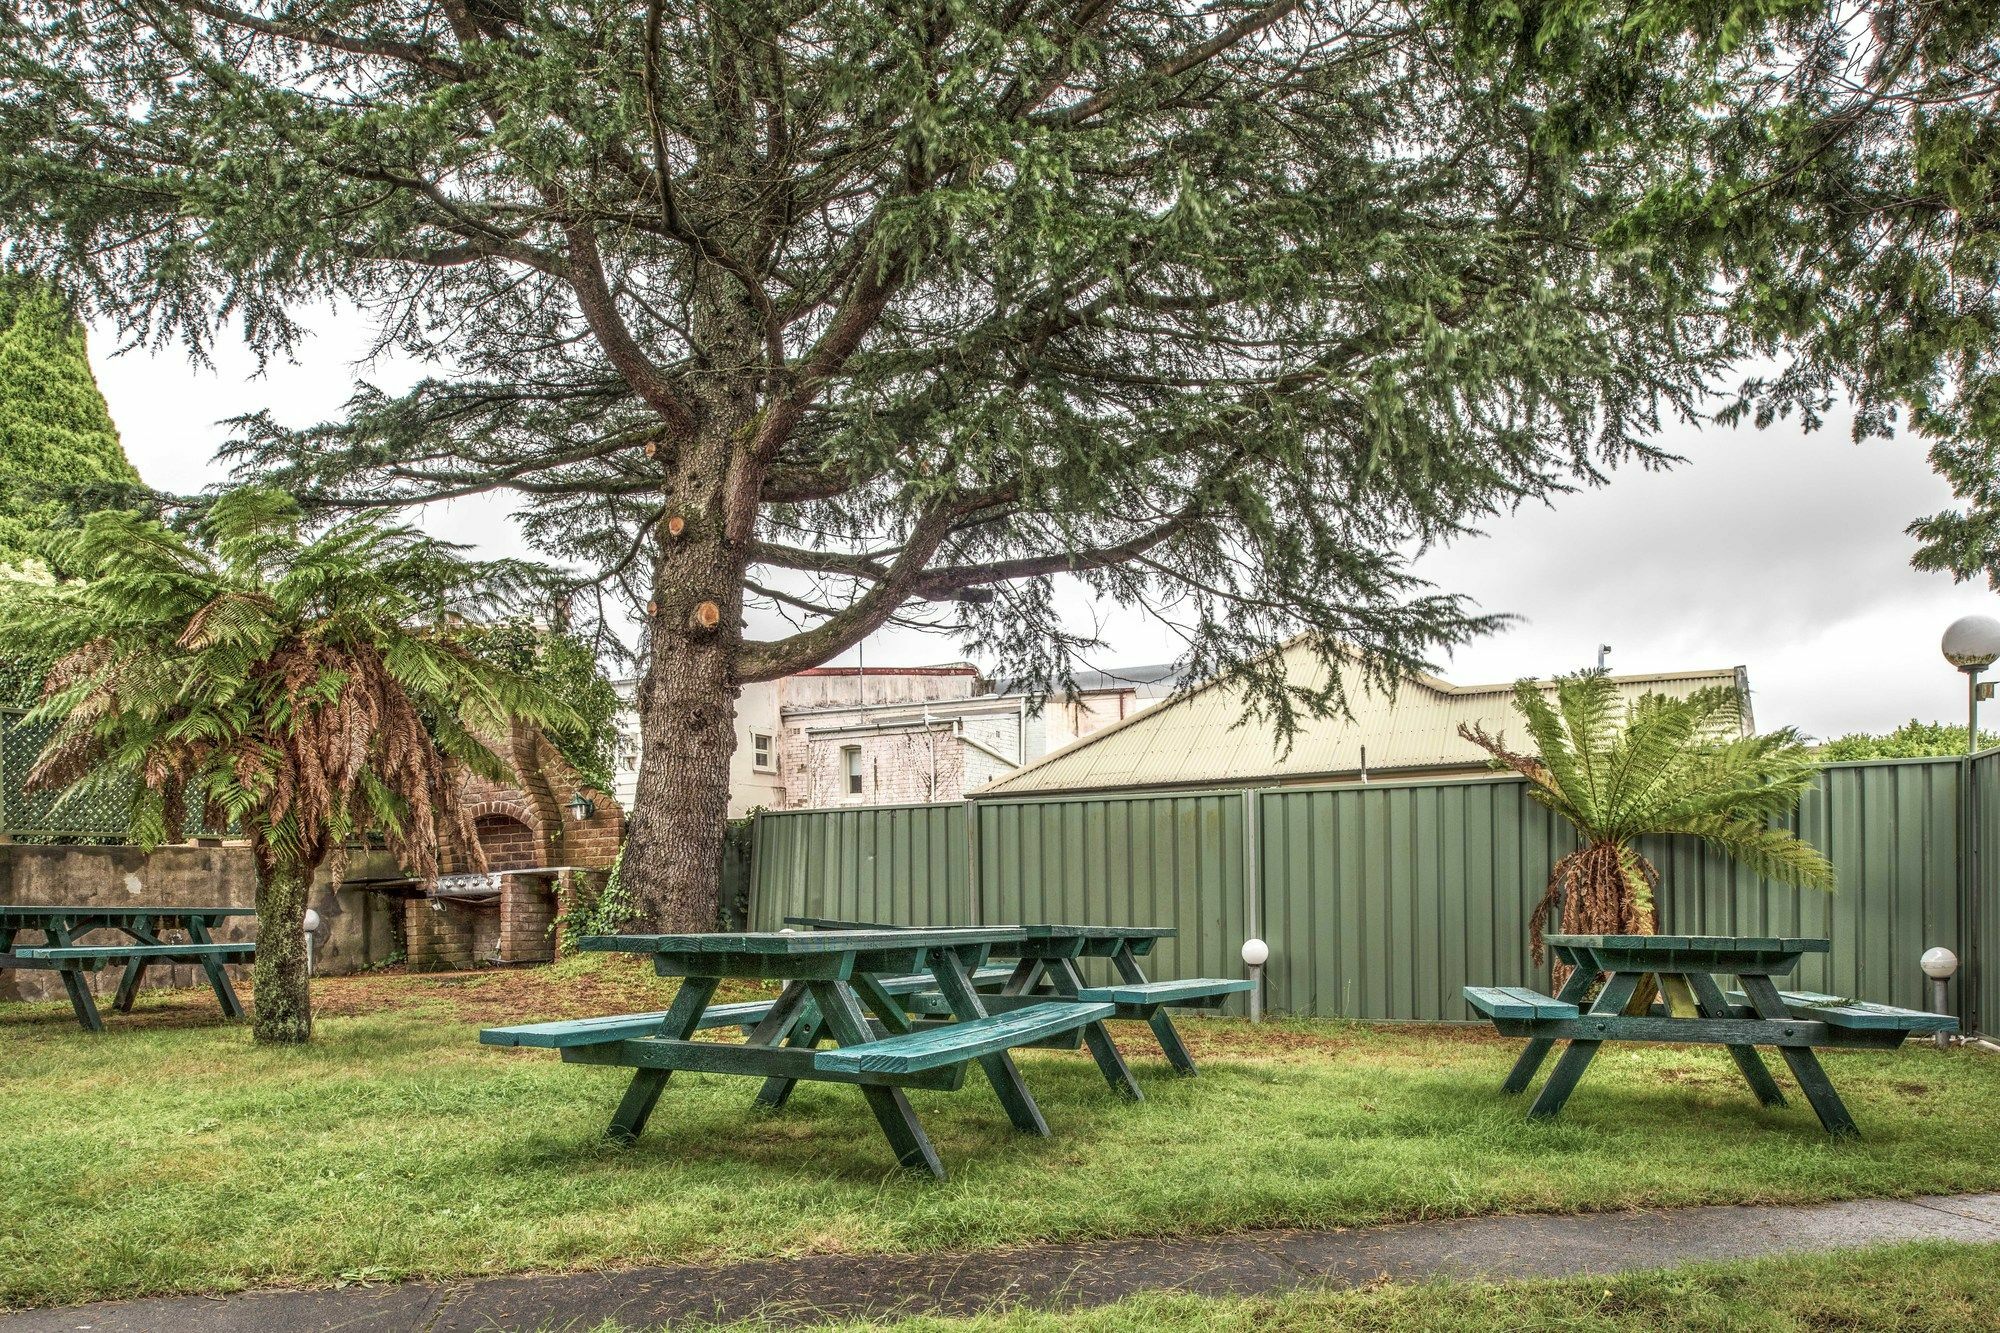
879,308
59,452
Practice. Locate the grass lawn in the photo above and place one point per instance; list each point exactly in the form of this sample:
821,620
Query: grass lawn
1928,1288
169,1154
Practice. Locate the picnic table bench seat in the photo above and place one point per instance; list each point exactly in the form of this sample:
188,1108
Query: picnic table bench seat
931,1047
1189,993
1517,1002
622,1027
1838,1011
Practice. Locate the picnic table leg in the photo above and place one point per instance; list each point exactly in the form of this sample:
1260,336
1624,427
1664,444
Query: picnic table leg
1160,1021
1000,1069
777,1089
1710,1003
1026,973
849,1027
636,1106
1067,980
1805,1066
58,935
1576,1056
1537,1049
135,971
882,1004
128,985
794,1021
218,980
80,999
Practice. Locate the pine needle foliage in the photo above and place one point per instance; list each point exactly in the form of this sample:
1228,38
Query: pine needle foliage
303,687
1661,766
59,452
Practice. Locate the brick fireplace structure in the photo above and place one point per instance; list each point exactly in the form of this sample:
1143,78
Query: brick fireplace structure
538,852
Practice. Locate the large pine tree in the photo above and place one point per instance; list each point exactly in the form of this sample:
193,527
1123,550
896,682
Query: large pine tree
59,452
883,308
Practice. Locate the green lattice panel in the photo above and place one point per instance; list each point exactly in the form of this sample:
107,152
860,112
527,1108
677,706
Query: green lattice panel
48,814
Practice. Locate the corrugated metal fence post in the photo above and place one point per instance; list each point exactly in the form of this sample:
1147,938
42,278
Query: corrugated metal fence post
970,813
1253,897
1969,905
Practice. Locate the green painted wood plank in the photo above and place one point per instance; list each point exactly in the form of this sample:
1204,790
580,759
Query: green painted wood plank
958,1042
1166,992
191,952
1694,943
794,943
619,1027
716,1057
1516,1002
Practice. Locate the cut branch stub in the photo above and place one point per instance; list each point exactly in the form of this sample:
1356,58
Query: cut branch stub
652,448
705,616
676,525
652,608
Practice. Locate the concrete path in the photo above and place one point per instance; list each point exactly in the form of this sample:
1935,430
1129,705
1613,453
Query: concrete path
810,1290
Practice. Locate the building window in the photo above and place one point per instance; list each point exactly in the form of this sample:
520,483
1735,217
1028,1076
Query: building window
762,757
850,761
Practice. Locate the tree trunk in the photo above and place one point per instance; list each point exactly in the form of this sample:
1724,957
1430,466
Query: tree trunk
687,697
283,1008
687,712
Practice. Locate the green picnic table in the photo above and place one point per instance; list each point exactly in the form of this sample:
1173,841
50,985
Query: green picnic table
1687,974
839,985
62,926
1047,966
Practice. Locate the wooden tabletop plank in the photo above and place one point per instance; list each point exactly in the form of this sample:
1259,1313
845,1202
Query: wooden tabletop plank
1043,930
793,943
1694,943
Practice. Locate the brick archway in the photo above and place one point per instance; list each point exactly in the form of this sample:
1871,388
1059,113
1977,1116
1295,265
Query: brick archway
510,834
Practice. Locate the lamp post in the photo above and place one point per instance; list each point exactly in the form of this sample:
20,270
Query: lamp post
1255,952
1938,964
1970,643
311,929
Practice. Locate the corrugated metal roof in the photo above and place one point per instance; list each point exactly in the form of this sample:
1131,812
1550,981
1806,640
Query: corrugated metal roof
1199,737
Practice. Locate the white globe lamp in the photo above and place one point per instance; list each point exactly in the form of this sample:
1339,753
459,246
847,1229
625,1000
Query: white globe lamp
1972,643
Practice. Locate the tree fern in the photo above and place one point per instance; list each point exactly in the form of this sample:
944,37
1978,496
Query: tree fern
1662,766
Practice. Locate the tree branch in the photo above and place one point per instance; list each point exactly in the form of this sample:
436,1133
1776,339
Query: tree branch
313,34
600,311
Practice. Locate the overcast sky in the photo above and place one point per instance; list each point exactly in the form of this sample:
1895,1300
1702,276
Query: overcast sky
1779,551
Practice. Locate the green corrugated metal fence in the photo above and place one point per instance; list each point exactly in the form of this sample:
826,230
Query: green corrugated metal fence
901,863
1979,979
1166,859
1380,901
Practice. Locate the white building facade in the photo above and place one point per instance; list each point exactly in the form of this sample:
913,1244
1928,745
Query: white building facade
838,736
